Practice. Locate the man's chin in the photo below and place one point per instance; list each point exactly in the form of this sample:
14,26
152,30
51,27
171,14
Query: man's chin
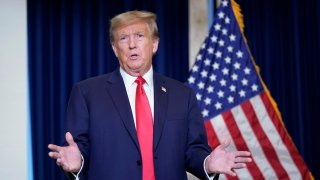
137,70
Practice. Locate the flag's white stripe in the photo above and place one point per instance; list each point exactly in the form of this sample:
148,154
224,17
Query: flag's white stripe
275,139
253,143
223,133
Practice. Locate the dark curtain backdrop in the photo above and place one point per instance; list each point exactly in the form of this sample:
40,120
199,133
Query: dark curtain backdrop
284,37
68,41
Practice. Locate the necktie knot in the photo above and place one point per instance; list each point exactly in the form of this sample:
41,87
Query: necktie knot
140,80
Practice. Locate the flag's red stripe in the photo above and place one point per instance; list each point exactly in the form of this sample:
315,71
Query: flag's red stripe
297,159
212,136
240,143
264,141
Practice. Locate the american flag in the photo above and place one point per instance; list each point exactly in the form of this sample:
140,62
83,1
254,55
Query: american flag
236,105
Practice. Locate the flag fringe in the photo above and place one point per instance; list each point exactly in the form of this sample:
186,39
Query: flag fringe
237,12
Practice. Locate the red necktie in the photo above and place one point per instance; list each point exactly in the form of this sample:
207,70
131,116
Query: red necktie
144,130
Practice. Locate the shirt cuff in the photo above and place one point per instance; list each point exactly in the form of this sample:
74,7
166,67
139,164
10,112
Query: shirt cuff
77,175
211,176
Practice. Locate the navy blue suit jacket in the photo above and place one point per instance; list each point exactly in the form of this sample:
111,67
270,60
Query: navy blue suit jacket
99,117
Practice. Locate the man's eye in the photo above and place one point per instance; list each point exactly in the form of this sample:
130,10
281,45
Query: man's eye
140,35
123,38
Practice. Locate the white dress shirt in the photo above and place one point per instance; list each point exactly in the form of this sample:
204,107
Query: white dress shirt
131,87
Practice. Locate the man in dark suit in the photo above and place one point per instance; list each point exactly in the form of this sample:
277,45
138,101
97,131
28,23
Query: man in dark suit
115,137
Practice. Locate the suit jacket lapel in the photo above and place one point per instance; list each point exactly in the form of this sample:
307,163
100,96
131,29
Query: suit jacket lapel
117,91
160,107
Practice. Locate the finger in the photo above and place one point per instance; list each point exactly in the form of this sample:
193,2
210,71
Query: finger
231,173
61,162
58,162
242,160
69,139
53,147
64,166
239,165
54,155
242,153
226,143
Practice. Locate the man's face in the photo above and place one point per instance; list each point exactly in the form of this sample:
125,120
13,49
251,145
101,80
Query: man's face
134,47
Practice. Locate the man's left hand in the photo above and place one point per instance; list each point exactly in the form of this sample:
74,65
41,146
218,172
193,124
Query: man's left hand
222,161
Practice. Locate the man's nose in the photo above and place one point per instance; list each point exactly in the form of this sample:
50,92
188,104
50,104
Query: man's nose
132,42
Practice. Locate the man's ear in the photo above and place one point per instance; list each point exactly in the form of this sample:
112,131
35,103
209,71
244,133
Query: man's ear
114,48
155,45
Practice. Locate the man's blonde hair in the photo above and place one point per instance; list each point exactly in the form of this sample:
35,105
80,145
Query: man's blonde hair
131,17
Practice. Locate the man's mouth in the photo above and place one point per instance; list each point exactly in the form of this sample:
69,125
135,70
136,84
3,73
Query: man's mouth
134,56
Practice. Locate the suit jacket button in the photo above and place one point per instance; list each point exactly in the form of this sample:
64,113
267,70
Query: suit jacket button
139,162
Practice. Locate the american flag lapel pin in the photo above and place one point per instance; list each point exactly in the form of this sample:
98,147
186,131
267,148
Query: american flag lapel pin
163,89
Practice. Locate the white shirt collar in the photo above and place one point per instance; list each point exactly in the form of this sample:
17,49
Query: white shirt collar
130,86
129,80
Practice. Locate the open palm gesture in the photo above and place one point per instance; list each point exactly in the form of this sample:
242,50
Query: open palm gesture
68,157
222,161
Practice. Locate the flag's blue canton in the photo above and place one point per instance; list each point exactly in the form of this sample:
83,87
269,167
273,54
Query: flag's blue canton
223,75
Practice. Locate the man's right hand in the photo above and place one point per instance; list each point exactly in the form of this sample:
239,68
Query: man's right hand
68,157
